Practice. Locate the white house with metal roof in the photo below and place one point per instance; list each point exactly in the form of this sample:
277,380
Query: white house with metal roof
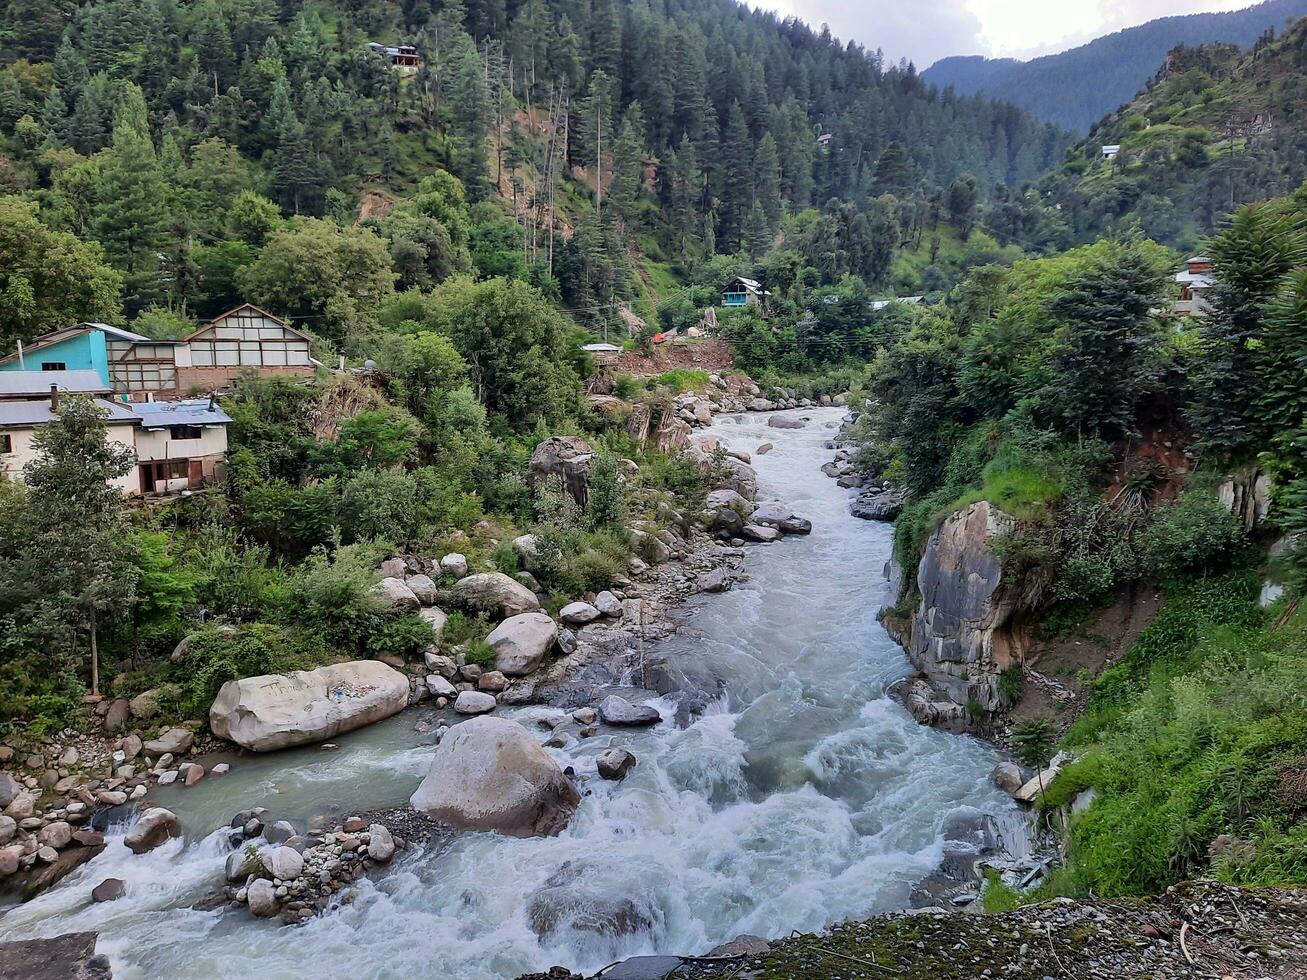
29,401
1195,282
179,445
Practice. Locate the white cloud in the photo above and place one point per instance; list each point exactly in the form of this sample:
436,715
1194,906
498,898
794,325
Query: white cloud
926,30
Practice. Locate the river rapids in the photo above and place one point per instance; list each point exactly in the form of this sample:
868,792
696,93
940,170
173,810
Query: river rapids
802,797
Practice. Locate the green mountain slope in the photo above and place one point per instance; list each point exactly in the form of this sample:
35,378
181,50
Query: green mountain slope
1215,128
1077,87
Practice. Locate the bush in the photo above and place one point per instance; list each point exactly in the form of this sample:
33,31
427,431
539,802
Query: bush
1194,534
626,387
216,655
406,636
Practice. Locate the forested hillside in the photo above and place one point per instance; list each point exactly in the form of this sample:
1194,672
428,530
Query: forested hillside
173,135
1076,88
1217,127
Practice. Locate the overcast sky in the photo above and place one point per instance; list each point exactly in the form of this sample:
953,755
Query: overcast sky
927,30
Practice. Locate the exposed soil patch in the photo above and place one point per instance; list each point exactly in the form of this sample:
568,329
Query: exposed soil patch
702,355
1059,670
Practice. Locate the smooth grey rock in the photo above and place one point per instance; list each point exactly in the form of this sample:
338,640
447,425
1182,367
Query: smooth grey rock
756,532
884,505
578,613
496,593
396,595
109,890
423,587
521,643
279,832
154,827
608,604
491,774
454,564
474,703
614,764
440,687
276,711
282,862
262,898
616,710
381,843
176,741
786,422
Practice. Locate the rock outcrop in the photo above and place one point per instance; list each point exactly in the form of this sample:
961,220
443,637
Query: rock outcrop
567,458
277,711
969,625
491,774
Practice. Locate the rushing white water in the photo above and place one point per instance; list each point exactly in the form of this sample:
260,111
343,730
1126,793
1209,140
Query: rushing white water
804,796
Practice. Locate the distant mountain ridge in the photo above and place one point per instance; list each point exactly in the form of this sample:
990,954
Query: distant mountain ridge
1078,87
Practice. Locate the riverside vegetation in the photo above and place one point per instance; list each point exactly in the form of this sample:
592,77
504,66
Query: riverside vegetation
556,170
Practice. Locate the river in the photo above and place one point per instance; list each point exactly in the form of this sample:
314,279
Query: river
803,797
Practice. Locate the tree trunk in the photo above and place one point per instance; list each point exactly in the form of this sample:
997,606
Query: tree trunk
95,657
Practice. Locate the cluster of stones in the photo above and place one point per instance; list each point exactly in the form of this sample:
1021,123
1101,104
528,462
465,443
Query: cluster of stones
49,793
877,500
275,870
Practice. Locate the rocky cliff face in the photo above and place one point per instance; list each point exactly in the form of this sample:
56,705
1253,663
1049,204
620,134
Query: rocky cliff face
969,624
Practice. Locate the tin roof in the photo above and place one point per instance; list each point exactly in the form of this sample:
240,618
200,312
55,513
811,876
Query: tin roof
30,414
28,384
193,411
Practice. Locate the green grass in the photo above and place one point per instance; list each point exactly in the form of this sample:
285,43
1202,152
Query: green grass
1025,492
1187,740
679,380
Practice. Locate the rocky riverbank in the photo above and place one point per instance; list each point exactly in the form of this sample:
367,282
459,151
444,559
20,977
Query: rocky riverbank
1196,930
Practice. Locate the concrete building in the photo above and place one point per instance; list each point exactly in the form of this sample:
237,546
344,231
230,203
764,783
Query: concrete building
29,401
1195,282
180,445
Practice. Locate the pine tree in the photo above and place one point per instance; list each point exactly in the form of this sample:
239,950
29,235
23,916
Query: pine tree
737,178
893,171
470,118
131,216
767,181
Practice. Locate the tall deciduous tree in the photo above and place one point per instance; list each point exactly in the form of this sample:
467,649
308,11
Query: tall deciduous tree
48,279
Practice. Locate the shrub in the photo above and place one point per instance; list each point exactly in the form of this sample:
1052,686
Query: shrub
1195,534
216,655
626,387
404,635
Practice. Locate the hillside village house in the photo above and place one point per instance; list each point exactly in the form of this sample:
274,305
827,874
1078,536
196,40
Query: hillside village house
1195,281
744,292
179,445
139,369
399,56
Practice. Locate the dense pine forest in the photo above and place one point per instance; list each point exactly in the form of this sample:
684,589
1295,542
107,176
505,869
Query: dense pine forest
449,203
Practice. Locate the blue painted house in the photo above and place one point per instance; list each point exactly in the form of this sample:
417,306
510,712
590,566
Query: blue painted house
83,347
743,292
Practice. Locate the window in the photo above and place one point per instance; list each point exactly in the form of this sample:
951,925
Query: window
6,444
180,433
53,366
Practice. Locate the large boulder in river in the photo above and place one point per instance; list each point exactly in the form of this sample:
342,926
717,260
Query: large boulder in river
780,516
971,623
495,593
786,422
491,774
154,827
277,711
879,505
521,643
